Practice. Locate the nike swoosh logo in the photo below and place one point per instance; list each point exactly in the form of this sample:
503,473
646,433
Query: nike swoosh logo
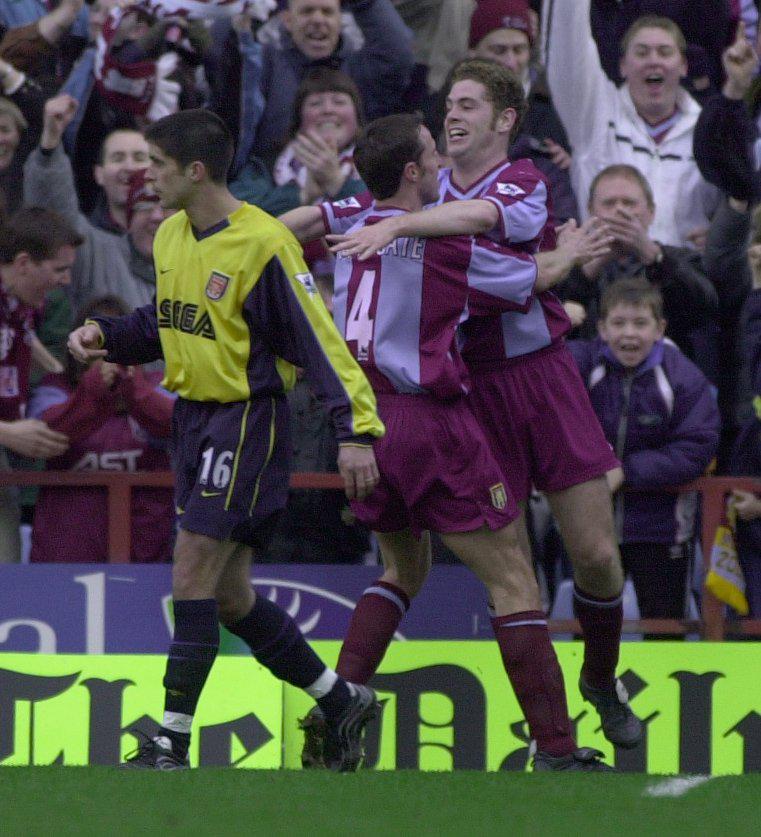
166,270
206,493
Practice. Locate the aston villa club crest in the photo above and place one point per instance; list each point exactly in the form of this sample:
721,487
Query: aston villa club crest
498,496
217,285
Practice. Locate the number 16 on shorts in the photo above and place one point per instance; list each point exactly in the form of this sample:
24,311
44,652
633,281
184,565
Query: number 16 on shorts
216,469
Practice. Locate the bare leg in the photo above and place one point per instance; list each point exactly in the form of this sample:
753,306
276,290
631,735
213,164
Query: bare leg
234,594
585,518
498,561
584,514
406,559
199,562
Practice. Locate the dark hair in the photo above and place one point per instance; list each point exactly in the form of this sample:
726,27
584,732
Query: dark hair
125,129
503,88
325,80
36,231
631,292
195,135
655,22
383,150
628,172
108,305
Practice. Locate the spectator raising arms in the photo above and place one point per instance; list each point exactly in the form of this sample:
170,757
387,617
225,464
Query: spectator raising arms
116,419
107,264
647,123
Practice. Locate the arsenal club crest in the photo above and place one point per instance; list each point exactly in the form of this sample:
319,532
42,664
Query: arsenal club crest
217,285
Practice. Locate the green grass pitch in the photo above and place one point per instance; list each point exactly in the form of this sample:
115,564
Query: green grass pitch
94,801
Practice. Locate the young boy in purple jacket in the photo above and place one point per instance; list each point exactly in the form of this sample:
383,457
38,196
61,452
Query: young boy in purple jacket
660,415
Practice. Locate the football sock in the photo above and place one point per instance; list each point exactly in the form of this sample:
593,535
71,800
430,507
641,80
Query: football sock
373,624
601,621
277,643
534,672
191,656
331,692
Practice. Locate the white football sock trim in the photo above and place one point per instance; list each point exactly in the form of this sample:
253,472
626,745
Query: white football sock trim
323,684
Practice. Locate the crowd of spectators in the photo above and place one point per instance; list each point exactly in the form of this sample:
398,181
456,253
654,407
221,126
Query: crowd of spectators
644,113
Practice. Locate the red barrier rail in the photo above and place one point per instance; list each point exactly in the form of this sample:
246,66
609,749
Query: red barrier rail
713,491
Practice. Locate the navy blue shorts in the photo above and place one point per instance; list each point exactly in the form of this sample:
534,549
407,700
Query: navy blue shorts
231,464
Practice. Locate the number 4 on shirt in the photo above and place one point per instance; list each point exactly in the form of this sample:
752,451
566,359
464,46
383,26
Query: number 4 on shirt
359,324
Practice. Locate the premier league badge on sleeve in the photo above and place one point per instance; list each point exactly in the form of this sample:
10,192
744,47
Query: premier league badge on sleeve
217,285
307,281
510,190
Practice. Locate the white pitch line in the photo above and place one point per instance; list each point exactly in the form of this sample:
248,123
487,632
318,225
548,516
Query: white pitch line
678,786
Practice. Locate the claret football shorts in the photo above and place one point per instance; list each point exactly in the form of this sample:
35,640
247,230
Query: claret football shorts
436,471
539,422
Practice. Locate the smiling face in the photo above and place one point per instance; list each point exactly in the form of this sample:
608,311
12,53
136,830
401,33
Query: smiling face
508,47
124,152
473,130
332,115
9,139
653,66
32,280
631,331
314,25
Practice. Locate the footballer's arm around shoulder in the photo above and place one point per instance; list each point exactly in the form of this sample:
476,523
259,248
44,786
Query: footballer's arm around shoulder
306,222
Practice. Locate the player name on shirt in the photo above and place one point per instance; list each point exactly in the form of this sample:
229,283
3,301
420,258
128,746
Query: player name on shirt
406,248
400,309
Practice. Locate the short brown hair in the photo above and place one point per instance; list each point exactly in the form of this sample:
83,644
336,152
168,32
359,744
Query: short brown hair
655,22
383,150
325,80
631,292
194,135
622,170
503,88
36,231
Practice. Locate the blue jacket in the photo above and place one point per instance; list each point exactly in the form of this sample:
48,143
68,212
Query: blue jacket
268,77
79,84
663,423
15,13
